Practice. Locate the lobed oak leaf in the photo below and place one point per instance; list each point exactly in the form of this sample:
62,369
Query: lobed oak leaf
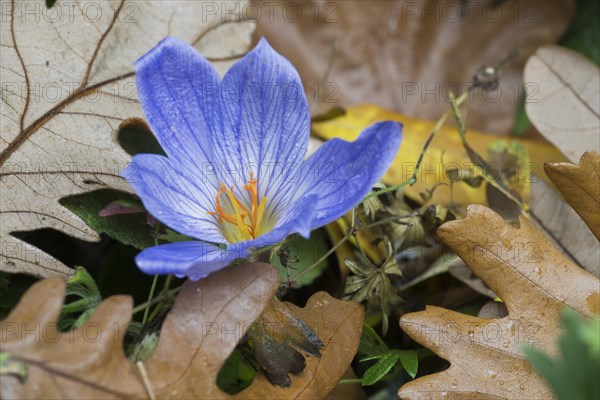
207,321
67,88
535,281
580,185
198,335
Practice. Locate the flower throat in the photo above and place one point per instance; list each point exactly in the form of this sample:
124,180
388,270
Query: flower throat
240,224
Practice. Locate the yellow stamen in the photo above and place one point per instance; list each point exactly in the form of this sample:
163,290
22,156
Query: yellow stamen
245,223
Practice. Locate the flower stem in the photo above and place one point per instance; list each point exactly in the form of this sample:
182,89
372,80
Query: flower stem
155,300
330,252
349,381
150,295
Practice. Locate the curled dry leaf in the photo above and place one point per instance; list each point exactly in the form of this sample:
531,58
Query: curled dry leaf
339,326
580,185
535,281
403,54
203,328
67,88
279,338
564,99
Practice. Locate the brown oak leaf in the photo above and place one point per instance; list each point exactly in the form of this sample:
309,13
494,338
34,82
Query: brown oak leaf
536,283
403,54
207,321
580,185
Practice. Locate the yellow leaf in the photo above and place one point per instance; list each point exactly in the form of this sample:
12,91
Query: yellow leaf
447,143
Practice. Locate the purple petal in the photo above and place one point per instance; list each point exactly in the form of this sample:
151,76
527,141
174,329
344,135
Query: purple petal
342,172
120,208
177,88
264,120
174,198
193,259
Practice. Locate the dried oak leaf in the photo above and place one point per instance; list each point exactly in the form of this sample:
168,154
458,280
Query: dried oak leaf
199,333
403,54
203,328
535,281
564,99
279,339
339,326
67,88
580,185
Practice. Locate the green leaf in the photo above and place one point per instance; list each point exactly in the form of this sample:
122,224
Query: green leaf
370,343
296,256
381,368
439,266
236,374
50,3
583,35
171,236
410,361
143,349
131,229
81,285
574,375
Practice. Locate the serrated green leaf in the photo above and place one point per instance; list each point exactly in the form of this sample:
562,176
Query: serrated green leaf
143,349
81,285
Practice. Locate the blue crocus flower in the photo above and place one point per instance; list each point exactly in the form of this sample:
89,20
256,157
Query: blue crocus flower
235,177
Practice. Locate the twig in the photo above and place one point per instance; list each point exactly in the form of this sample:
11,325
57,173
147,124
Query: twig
147,385
413,179
463,132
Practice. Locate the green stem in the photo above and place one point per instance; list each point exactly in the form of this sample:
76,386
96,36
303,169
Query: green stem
150,296
330,252
155,300
349,381
455,103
